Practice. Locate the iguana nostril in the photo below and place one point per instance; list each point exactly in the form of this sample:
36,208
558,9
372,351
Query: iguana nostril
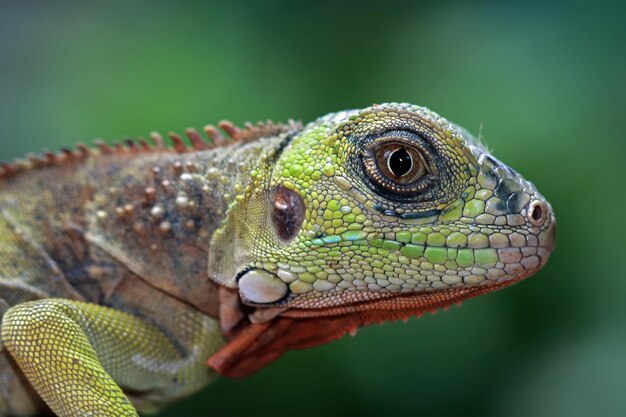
538,213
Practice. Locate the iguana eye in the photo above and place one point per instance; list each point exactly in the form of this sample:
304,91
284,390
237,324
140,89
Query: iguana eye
400,163
397,162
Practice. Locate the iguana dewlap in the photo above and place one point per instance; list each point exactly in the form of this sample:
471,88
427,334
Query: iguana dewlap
124,269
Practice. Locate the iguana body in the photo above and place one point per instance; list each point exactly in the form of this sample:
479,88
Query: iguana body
123,270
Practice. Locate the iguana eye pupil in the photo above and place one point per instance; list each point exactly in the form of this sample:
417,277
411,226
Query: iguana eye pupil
400,162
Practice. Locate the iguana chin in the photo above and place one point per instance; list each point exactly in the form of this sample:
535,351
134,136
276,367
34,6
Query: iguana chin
124,269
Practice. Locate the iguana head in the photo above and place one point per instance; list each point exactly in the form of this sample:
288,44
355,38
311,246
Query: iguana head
389,200
382,214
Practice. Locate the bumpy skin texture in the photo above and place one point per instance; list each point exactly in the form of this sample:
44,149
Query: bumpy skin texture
124,270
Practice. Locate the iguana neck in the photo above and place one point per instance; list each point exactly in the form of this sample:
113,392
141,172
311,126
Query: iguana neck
159,218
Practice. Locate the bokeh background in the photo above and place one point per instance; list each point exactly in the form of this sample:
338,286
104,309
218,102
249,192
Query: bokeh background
545,83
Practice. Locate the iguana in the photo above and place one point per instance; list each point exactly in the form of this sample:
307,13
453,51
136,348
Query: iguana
132,275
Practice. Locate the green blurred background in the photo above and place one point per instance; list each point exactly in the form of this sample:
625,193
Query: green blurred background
547,83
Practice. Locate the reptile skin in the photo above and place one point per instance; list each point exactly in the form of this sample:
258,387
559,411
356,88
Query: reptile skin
131,276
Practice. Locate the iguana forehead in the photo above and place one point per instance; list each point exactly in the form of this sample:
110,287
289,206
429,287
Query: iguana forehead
334,120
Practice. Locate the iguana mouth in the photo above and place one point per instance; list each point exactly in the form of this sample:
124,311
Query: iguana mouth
264,289
253,344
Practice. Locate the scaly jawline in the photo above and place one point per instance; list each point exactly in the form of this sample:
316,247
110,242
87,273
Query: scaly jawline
400,306
252,345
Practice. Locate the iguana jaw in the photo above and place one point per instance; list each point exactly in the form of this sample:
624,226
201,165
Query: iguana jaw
258,335
254,345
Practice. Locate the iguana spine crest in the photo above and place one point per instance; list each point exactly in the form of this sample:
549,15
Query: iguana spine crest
196,142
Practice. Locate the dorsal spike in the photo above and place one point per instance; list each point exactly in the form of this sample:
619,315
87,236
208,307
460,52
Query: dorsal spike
143,145
196,140
33,160
68,154
50,157
82,150
216,136
5,170
18,166
157,139
177,141
40,160
231,130
118,147
131,145
261,128
250,132
104,148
